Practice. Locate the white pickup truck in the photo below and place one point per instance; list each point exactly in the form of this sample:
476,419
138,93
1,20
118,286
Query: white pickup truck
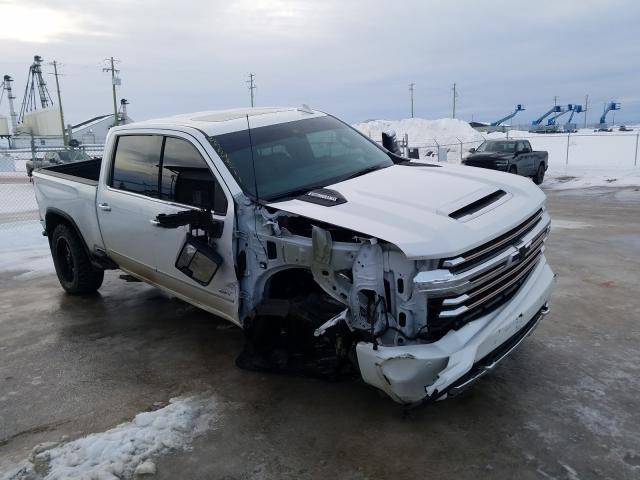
296,227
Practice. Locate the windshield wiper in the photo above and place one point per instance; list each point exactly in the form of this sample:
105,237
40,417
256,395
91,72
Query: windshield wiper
302,190
294,192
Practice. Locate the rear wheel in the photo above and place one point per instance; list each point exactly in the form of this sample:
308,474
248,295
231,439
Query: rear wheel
513,169
539,176
73,266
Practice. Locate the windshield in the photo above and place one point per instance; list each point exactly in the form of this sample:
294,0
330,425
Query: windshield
297,156
503,147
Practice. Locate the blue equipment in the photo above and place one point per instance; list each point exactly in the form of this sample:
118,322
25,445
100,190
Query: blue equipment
519,108
574,110
552,119
554,109
610,106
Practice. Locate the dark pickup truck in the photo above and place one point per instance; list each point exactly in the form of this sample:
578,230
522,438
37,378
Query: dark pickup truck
513,156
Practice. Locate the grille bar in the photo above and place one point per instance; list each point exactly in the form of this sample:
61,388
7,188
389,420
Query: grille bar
484,282
522,270
482,279
508,237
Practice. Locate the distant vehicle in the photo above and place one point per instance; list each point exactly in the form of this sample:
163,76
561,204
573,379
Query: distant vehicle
625,129
603,128
308,234
57,158
513,156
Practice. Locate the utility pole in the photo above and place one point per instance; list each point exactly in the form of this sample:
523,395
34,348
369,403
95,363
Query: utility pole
455,95
114,81
411,85
555,100
586,107
55,73
252,86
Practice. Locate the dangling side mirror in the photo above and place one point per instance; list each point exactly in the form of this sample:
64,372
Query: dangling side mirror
199,261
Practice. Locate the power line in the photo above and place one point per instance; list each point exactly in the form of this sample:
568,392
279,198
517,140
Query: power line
252,86
114,81
411,85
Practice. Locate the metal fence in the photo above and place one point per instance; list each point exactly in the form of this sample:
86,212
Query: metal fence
18,206
598,149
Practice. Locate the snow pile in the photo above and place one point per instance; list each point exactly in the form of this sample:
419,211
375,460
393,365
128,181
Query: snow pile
595,158
422,132
24,250
126,449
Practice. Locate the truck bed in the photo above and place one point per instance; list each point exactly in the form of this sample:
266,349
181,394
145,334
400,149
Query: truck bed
86,172
70,190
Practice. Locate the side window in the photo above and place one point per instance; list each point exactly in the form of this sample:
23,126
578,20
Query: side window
136,163
185,178
527,146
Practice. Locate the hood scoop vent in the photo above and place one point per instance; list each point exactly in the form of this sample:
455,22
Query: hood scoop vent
479,206
324,197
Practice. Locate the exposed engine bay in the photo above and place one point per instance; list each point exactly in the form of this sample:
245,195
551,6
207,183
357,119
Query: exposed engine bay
311,291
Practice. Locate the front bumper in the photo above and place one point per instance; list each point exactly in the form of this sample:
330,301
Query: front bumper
417,373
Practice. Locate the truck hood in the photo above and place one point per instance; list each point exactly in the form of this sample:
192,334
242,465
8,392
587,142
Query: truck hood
417,208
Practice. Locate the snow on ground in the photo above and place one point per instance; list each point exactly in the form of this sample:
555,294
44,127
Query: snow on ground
594,159
124,450
24,250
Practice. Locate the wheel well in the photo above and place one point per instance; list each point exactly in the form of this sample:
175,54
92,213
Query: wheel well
54,218
291,283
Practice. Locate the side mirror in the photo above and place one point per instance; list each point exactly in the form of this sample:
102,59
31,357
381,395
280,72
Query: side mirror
472,150
197,260
390,142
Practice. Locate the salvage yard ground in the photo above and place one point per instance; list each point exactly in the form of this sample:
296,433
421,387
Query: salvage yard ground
83,372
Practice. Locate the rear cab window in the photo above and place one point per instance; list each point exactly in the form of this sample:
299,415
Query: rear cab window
136,163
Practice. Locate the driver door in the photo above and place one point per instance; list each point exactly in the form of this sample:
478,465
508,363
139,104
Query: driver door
188,183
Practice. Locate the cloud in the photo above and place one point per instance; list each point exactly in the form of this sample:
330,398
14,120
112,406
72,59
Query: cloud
353,58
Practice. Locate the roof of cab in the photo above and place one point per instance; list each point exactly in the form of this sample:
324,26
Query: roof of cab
218,122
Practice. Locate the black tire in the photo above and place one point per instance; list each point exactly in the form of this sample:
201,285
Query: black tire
74,269
513,169
539,176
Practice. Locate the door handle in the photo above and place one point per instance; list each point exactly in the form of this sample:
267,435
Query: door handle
104,206
154,222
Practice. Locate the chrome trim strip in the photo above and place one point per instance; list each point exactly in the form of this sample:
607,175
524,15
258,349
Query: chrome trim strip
442,282
454,262
530,265
534,249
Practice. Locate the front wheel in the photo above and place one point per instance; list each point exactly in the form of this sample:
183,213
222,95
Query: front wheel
513,169
539,176
73,266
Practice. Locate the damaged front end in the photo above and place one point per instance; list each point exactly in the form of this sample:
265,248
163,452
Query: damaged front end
323,300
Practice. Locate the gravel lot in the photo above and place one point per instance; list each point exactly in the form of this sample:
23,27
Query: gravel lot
564,405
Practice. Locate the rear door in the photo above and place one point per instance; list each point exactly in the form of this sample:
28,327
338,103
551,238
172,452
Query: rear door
128,202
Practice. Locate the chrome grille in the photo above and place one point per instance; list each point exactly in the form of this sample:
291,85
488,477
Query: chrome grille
480,280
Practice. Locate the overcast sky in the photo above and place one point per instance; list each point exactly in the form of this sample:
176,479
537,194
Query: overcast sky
349,57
